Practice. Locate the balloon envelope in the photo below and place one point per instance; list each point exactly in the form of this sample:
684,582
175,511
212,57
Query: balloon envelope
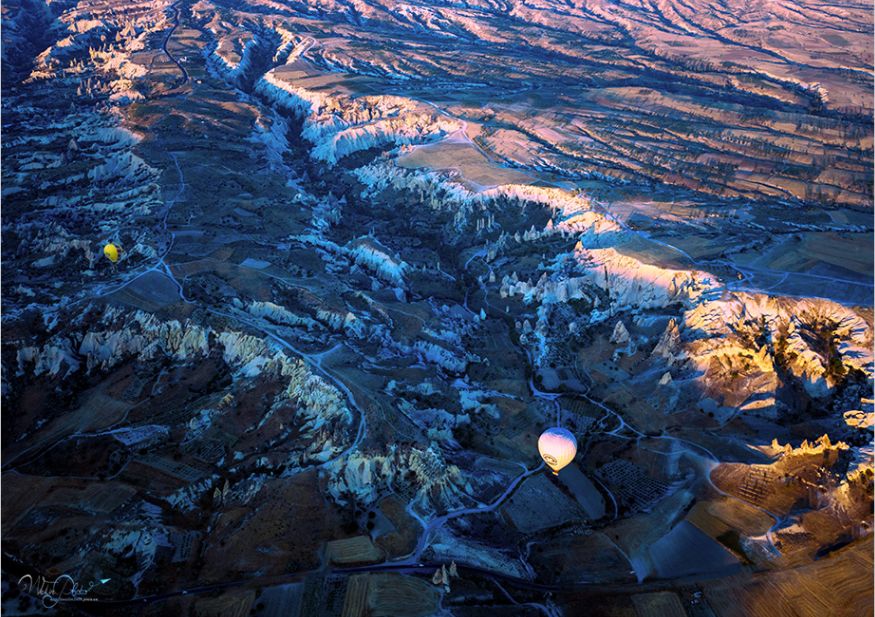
111,252
557,447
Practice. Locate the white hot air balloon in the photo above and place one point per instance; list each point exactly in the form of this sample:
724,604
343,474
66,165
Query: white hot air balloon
557,447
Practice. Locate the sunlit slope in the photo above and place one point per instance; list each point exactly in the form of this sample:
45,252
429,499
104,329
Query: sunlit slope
752,100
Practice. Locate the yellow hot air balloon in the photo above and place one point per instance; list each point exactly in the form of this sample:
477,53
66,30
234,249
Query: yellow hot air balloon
557,447
111,252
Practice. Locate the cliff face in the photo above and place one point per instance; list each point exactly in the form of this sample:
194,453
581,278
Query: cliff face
338,126
750,339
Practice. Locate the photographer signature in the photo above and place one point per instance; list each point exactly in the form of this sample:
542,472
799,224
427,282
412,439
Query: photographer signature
62,589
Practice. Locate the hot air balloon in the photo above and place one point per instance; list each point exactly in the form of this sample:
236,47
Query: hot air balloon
557,447
111,252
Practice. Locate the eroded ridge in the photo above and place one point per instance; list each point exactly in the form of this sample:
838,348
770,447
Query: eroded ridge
369,251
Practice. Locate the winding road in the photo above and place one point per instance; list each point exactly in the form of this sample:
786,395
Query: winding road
436,523
184,78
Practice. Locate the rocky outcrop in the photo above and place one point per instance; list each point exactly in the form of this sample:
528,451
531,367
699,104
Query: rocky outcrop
107,40
572,213
99,342
669,345
864,418
818,496
631,283
370,254
139,334
364,477
337,125
816,342
97,190
620,335
232,56
597,257
277,314
822,445
433,353
547,290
